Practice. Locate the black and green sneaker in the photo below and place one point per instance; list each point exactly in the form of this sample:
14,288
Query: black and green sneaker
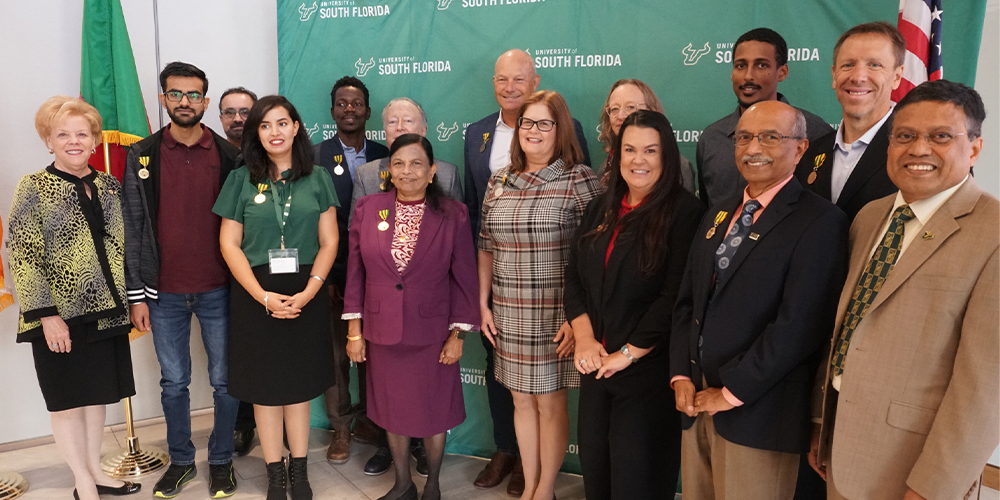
221,480
173,480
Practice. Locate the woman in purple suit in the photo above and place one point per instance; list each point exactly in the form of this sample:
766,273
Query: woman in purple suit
411,274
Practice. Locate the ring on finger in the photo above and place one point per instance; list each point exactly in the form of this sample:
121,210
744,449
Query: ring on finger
583,361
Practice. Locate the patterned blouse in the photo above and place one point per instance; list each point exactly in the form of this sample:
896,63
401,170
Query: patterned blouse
67,252
404,237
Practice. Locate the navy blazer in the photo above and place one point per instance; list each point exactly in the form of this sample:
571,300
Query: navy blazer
438,288
868,181
324,156
477,163
759,335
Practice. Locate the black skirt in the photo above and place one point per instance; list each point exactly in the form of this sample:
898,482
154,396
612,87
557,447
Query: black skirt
91,373
276,362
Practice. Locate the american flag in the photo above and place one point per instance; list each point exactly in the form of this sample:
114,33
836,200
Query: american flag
920,24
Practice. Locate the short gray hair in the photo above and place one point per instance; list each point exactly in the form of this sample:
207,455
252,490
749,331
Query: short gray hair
423,116
799,129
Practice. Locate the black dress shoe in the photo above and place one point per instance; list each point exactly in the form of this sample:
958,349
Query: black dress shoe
410,494
379,463
420,455
243,442
126,489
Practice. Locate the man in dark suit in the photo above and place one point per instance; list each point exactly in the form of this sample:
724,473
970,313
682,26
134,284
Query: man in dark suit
751,315
342,154
847,166
487,149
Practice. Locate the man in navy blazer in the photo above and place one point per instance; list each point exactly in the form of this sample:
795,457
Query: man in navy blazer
754,309
487,149
342,154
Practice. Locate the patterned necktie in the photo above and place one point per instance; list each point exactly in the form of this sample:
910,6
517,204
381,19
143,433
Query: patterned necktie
727,249
871,281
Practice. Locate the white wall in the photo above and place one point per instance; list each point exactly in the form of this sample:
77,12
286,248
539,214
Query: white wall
235,42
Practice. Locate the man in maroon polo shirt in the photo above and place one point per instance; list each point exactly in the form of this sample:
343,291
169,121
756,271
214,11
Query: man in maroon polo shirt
173,268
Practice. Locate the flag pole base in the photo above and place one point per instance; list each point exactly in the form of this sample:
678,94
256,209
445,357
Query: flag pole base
133,461
12,485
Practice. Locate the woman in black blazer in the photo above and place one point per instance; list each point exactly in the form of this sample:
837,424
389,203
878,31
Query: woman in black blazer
621,281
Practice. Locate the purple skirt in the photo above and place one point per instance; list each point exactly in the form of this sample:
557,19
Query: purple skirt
410,393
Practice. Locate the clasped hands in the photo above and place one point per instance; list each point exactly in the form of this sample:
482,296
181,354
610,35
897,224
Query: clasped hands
590,357
692,403
284,306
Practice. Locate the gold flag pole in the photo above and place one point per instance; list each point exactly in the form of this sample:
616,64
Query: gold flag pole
133,461
12,485
107,161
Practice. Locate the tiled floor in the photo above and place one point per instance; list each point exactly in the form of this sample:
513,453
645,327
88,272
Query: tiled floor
50,478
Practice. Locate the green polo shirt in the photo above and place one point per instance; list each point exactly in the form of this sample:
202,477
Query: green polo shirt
311,196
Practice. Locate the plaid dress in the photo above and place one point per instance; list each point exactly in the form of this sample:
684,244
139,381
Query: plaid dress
528,222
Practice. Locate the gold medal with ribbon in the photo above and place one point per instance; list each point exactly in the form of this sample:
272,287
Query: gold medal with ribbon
260,194
384,225
818,161
486,138
499,189
339,170
719,217
143,173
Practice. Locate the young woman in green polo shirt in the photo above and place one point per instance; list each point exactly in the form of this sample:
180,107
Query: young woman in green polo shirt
279,238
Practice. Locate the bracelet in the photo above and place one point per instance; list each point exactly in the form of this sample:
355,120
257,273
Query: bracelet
321,280
356,337
266,310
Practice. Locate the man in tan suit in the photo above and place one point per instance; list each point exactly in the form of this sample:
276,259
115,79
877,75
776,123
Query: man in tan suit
908,405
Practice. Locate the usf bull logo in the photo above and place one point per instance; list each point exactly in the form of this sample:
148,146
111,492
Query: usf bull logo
692,56
306,12
312,130
445,133
444,4
364,67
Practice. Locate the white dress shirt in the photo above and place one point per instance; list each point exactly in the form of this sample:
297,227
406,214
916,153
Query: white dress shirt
846,156
500,150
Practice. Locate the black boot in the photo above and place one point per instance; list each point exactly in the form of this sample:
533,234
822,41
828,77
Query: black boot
298,479
276,481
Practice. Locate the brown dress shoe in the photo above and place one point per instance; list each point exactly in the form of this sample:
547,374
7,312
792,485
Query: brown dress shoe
339,451
366,432
515,487
500,465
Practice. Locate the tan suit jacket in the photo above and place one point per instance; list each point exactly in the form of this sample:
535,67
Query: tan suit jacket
919,401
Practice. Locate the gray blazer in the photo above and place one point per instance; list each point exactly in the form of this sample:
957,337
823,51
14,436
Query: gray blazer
368,178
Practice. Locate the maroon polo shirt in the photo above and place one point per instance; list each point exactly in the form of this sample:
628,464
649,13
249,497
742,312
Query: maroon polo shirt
188,231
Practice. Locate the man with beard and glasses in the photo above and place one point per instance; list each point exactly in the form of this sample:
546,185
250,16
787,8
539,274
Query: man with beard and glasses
234,107
173,267
341,155
760,61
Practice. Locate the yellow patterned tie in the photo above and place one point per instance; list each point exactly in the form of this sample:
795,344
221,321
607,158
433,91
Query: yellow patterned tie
871,281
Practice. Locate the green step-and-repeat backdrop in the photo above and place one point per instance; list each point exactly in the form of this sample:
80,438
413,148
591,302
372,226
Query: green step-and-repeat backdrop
441,53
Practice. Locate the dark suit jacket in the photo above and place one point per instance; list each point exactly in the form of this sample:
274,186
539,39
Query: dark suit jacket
760,334
439,286
868,181
477,163
624,306
324,153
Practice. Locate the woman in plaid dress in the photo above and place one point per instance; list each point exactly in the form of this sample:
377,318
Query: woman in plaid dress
530,213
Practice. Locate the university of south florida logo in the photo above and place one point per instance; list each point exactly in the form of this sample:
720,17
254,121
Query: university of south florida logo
364,67
443,4
312,130
306,12
692,56
445,133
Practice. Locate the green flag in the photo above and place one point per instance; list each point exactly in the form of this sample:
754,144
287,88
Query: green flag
108,79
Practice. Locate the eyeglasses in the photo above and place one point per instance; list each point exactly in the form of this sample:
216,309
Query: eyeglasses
176,96
629,107
231,113
936,138
543,125
767,139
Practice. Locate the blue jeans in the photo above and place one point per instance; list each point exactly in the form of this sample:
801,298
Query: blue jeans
171,323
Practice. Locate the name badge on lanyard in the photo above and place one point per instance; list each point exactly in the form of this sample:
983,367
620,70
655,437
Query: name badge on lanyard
282,260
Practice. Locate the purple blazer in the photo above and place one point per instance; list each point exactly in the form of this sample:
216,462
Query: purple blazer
439,286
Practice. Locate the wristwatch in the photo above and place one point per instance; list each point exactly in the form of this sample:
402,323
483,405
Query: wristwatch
460,335
624,351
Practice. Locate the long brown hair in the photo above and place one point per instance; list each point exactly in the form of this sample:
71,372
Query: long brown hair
567,147
655,216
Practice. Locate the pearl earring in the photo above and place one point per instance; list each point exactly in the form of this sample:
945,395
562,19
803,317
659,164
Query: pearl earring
51,152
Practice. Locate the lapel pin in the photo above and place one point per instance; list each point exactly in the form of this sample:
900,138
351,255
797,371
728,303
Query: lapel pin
928,235
754,236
